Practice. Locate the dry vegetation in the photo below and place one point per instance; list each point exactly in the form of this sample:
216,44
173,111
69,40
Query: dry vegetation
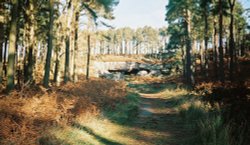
26,115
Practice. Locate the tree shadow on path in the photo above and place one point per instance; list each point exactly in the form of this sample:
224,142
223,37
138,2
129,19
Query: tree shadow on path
98,137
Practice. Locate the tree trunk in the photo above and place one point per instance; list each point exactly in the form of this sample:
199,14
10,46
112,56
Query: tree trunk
76,46
88,58
231,40
31,41
189,74
12,46
72,48
50,45
202,56
221,55
5,56
215,45
183,61
56,70
1,51
66,69
206,41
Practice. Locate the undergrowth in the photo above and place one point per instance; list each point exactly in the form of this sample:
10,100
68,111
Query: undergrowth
26,115
207,125
97,130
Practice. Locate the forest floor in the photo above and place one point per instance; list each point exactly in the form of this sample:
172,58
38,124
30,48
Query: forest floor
154,113
148,118
77,114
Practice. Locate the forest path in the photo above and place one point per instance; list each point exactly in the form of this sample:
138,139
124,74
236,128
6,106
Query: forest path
159,121
153,119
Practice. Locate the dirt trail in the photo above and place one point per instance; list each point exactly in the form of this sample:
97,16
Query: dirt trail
158,116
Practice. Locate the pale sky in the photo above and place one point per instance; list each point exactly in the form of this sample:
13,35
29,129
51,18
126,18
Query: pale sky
139,13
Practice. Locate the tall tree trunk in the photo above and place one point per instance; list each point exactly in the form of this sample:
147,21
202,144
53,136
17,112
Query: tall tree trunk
72,48
5,56
12,46
231,40
30,40
26,51
202,56
193,56
221,54
1,51
189,73
50,45
66,69
88,58
56,70
76,46
206,40
183,61
1,62
215,45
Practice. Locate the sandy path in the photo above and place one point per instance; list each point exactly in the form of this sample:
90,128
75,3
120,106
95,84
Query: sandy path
158,121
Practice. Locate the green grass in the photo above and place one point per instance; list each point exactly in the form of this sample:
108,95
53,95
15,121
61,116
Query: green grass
124,113
206,126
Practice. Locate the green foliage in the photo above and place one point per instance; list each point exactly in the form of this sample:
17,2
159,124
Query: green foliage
103,8
176,32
